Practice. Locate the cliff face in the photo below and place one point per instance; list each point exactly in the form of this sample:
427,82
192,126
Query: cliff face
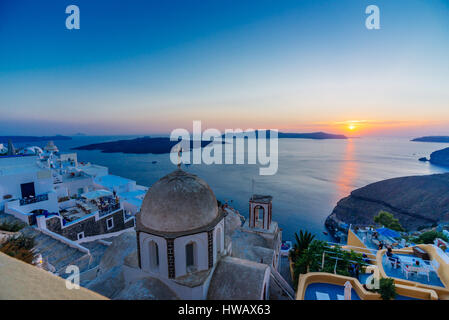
440,157
415,201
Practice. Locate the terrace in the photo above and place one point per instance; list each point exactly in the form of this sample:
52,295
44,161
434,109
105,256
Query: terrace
413,268
101,201
379,238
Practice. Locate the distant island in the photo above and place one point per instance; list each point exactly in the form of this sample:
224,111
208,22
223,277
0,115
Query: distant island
313,135
293,135
20,139
416,201
164,145
138,146
442,139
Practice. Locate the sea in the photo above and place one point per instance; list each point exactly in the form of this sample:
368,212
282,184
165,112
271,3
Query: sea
312,176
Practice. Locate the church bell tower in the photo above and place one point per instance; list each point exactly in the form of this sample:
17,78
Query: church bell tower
260,211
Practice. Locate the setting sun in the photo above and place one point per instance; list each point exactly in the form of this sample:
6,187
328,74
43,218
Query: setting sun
351,127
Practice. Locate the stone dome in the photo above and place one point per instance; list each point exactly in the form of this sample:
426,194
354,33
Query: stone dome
178,202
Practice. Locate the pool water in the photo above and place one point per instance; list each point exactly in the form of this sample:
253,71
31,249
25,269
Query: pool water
331,289
364,277
399,297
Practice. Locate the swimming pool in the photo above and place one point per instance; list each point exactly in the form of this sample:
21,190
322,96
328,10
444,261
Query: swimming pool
399,297
318,291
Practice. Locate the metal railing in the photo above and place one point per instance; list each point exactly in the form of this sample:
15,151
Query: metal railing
109,209
283,284
30,200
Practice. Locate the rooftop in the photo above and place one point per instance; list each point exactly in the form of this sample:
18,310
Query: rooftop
428,274
18,165
110,181
96,201
261,198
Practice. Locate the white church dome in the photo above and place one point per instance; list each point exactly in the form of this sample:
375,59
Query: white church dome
178,202
50,147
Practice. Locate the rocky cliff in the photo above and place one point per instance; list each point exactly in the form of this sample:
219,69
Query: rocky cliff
440,157
415,201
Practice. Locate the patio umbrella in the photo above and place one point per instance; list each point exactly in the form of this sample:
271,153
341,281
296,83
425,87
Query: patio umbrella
348,288
388,232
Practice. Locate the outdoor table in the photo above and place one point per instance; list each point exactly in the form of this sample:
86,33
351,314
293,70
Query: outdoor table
408,264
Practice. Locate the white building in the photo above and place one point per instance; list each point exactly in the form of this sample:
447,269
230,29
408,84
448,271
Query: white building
25,186
49,191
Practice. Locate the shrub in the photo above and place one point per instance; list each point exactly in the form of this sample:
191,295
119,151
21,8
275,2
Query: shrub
11,226
387,288
20,248
429,236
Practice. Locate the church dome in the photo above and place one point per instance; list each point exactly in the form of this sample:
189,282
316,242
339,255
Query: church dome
178,202
50,147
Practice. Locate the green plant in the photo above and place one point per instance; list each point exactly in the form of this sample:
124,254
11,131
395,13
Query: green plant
11,226
20,248
387,288
303,240
335,259
429,236
388,220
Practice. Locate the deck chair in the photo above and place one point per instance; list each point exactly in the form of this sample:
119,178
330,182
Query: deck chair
322,296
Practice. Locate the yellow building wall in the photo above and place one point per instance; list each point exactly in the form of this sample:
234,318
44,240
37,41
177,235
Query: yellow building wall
323,277
354,241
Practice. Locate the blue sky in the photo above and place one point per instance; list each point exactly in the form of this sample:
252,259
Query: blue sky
138,67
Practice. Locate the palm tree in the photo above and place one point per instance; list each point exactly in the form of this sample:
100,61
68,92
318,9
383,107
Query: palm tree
303,241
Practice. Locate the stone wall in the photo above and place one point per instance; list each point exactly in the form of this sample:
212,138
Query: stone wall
89,226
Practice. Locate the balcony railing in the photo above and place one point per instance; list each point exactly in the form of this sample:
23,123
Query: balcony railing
110,208
30,200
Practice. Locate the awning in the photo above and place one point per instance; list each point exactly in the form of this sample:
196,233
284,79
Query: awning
388,232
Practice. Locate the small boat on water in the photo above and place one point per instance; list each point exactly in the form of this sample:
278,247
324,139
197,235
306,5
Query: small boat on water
325,232
153,162
286,246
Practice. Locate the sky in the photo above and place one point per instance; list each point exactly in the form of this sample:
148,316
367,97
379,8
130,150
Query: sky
145,67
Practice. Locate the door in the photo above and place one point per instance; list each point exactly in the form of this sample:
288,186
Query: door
27,190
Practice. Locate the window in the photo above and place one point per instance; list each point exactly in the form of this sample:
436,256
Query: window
80,235
190,257
259,211
218,241
154,256
110,223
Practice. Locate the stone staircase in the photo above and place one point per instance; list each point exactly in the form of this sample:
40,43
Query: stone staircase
60,255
